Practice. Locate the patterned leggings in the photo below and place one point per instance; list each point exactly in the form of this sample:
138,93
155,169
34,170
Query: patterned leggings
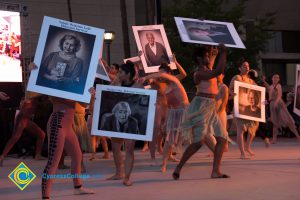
61,135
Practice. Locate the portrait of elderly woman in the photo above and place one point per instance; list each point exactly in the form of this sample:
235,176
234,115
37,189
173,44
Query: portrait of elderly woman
253,109
120,120
62,69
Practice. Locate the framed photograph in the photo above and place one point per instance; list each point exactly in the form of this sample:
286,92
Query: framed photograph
297,92
208,32
67,57
152,41
101,72
124,112
249,101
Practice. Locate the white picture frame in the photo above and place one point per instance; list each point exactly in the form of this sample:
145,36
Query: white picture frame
151,61
245,95
141,105
78,71
101,71
208,32
297,91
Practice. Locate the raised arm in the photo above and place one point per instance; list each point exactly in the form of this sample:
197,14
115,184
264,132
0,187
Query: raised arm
182,74
213,55
209,74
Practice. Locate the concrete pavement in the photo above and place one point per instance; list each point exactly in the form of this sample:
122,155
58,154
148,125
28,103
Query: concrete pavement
274,173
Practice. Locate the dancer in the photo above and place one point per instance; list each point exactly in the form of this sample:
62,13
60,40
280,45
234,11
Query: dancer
244,125
61,136
125,78
280,116
23,122
201,114
161,112
177,101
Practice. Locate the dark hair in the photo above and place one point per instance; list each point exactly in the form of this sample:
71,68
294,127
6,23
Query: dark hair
241,61
199,52
70,37
116,66
166,68
128,67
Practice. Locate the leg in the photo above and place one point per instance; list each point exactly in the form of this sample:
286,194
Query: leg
275,133
248,144
94,147
72,148
240,141
105,148
56,146
190,150
129,160
166,155
217,159
21,124
40,135
118,160
211,142
145,147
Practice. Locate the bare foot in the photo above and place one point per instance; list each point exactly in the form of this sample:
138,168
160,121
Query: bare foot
163,168
219,175
267,142
39,157
106,156
115,177
127,182
251,153
173,159
92,158
273,141
145,148
244,157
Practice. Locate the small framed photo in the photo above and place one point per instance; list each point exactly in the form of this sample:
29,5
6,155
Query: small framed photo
153,42
101,71
124,112
67,57
208,32
297,92
249,101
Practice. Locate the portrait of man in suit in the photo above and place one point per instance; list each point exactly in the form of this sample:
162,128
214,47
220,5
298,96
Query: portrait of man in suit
120,120
155,52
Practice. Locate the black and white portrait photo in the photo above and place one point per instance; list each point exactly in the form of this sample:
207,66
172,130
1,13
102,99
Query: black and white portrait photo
67,58
297,92
152,41
123,112
208,32
249,101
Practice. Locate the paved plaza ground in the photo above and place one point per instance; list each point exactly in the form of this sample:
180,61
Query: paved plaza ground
274,173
